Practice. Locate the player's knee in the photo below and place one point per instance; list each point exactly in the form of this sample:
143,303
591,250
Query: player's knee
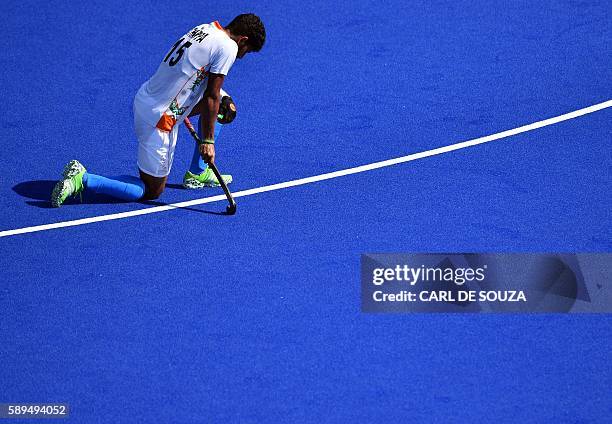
153,194
154,186
153,191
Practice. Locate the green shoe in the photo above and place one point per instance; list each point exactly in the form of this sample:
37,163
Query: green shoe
70,185
205,179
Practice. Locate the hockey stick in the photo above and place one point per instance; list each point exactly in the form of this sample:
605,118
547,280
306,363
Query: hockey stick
231,208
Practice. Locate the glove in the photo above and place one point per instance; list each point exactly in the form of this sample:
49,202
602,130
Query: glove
227,110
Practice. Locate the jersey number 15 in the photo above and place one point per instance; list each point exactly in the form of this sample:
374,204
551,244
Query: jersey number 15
179,53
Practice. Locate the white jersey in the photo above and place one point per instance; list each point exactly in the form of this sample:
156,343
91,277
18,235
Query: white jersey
179,82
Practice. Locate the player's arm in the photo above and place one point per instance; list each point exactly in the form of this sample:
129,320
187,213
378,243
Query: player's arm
209,107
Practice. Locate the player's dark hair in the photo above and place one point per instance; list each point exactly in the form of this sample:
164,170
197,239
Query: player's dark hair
250,26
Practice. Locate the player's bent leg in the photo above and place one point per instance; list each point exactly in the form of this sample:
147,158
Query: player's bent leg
155,155
126,188
197,165
76,180
154,186
199,174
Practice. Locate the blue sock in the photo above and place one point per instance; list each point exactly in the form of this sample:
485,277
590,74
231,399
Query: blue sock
197,164
126,188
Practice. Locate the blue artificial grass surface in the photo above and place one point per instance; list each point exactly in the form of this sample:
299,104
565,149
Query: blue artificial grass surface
189,316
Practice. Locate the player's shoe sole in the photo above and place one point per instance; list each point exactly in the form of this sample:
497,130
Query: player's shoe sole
73,168
70,185
205,179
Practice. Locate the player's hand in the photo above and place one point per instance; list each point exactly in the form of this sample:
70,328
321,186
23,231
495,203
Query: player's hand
207,151
227,110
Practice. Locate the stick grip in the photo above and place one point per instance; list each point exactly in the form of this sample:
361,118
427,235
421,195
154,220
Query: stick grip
192,130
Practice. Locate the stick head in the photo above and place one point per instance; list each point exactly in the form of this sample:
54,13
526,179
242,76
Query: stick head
231,209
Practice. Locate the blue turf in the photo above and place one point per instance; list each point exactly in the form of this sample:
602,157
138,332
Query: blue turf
189,316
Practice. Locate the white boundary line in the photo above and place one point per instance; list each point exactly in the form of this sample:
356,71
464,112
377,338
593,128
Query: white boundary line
316,178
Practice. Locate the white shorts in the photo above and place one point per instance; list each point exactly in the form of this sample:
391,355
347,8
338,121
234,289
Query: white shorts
155,147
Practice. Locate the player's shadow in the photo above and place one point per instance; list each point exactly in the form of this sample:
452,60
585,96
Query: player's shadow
175,186
186,208
180,187
40,192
